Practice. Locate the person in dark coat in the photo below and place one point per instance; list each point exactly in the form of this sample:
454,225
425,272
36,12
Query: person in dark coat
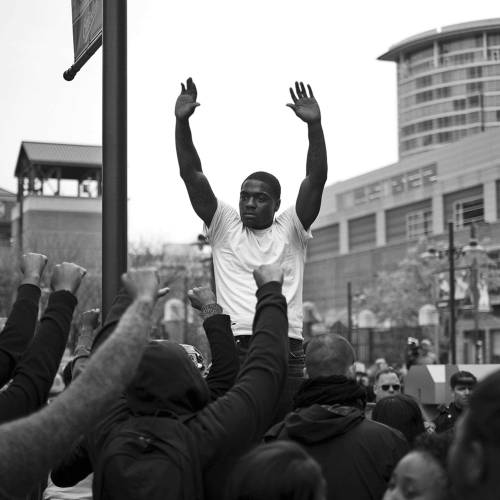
168,382
357,455
462,384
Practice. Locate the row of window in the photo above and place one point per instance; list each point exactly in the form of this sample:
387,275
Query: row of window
465,212
454,75
438,138
439,108
476,88
449,121
394,185
408,69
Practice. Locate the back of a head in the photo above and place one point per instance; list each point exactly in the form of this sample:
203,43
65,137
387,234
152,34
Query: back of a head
483,419
281,470
329,354
400,412
167,379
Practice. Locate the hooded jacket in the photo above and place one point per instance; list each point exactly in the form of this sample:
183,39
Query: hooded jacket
168,382
357,455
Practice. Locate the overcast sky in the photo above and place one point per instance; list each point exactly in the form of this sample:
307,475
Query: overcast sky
243,57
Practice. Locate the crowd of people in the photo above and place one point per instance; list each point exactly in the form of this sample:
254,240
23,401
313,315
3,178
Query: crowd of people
269,419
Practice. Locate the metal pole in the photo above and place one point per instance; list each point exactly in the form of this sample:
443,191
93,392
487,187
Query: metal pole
349,312
475,299
114,141
451,261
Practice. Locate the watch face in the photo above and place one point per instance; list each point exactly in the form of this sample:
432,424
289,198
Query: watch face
2,209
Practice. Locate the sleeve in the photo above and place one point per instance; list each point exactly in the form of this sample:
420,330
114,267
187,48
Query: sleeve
224,218
75,466
34,374
294,229
19,330
120,304
225,362
240,417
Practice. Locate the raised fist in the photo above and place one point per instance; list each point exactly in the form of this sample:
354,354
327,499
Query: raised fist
142,283
90,319
67,276
266,273
32,266
201,296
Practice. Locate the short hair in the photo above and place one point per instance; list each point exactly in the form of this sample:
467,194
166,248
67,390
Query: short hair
483,416
462,378
270,180
384,372
400,412
281,469
328,354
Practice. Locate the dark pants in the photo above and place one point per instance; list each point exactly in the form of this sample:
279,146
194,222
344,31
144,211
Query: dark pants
295,372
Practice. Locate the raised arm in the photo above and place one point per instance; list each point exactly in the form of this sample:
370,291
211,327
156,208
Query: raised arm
311,190
200,193
31,446
20,326
225,362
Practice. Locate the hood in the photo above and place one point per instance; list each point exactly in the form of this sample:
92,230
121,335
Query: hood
167,379
320,422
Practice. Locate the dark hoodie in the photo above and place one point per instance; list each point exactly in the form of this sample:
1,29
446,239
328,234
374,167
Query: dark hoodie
357,455
167,380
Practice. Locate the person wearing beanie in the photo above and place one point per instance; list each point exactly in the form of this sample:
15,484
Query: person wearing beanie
255,235
474,457
462,384
356,454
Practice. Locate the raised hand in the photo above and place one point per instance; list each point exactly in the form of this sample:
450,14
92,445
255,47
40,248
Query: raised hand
268,272
32,266
305,106
201,296
186,102
67,276
142,283
90,319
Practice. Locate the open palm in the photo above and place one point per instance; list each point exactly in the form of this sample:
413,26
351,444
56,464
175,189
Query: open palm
305,106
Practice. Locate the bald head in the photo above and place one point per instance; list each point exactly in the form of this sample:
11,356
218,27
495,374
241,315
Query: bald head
327,355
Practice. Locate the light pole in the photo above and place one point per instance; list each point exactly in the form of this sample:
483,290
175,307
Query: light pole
428,316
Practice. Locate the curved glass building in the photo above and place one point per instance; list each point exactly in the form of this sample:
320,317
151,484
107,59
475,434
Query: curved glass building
448,84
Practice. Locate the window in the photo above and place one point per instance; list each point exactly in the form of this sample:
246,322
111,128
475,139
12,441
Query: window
459,104
429,175
359,196
473,101
473,87
398,184
423,81
414,179
423,96
442,92
418,223
374,191
467,212
476,72
493,39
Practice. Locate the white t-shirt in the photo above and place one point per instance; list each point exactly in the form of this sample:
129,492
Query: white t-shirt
238,250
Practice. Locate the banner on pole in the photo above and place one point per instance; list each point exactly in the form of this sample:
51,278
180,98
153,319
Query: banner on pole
87,32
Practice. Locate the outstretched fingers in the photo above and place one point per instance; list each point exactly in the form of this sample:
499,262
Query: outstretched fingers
311,95
294,98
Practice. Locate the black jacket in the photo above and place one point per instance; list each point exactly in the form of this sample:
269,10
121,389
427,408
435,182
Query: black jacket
447,417
357,455
34,373
221,428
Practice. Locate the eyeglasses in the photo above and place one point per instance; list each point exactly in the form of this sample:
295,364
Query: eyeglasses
386,387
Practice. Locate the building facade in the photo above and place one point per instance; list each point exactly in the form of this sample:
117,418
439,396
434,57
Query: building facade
59,202
448,83
369,222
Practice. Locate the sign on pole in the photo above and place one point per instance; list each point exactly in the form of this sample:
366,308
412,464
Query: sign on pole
87,33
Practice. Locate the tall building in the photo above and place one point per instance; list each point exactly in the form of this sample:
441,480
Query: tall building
448,171
7,202
448,84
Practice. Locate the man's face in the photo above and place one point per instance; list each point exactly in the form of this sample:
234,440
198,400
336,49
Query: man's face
461,394
387,385
257,204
